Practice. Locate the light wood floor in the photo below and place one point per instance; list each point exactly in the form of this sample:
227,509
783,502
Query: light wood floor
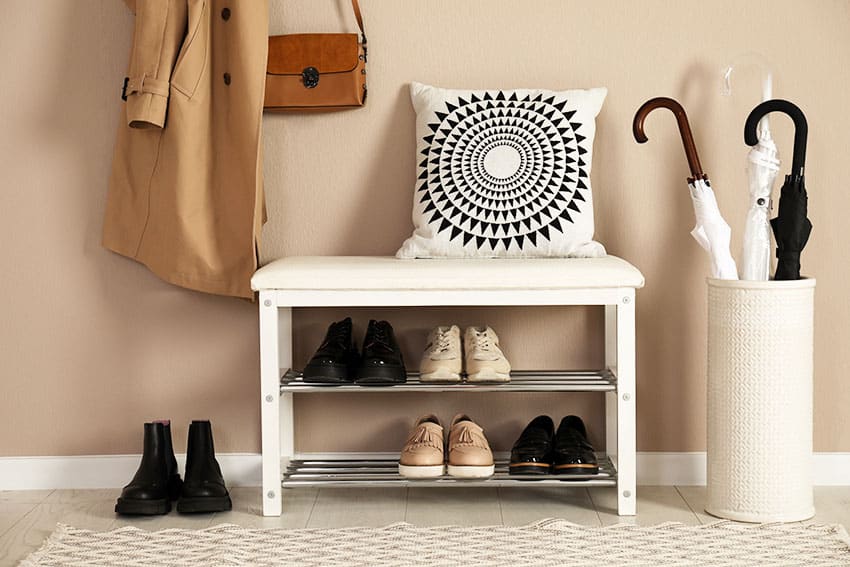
28,517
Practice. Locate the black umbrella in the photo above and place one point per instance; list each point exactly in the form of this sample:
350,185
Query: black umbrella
791,227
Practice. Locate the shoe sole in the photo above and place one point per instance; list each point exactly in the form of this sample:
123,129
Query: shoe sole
466,471
325,374
530,468
205,504
385,376
440,375
426,471
129,507
489,375
577,468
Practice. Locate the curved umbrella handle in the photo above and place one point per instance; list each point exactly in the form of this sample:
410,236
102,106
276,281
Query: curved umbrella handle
801,129
684,130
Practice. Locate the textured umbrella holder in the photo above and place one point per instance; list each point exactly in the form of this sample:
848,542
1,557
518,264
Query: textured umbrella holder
760,343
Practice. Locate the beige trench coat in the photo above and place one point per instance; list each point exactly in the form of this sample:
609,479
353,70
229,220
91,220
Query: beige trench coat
186,190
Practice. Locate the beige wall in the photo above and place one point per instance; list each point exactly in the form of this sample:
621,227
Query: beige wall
91,345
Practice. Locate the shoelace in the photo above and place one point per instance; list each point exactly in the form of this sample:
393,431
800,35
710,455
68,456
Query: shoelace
381,337
442,342
482,340
338,333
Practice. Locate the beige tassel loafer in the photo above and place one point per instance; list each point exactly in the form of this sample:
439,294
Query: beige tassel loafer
469,452
485,361
422,455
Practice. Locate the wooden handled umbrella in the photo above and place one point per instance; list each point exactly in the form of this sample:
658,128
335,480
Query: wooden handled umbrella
711,232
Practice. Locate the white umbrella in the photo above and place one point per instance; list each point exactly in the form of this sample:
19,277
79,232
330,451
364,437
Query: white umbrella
762,168
712,232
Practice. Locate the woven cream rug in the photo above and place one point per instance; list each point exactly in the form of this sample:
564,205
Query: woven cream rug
549,543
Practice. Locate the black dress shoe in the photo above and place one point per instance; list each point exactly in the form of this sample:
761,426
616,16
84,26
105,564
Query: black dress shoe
381,363
156,482
203,486
573,452
532,452
335,361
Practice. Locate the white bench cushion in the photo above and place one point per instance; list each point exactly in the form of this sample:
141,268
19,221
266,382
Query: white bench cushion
389,273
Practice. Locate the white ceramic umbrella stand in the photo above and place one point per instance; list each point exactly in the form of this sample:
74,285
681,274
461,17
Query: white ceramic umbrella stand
760,363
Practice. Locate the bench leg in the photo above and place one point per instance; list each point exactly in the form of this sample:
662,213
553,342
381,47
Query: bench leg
620,418
270,402
286,418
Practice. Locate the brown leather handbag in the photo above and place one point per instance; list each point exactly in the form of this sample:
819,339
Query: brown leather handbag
317,71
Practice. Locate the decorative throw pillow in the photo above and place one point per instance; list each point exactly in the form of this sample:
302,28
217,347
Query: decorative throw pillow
503,173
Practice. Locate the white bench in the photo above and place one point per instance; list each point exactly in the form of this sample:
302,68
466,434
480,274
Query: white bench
385,281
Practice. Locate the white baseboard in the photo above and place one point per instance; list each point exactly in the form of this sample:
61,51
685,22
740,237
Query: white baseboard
245,469
689,469
108,471
666,469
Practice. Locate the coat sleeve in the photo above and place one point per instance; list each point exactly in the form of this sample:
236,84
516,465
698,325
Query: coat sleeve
159,32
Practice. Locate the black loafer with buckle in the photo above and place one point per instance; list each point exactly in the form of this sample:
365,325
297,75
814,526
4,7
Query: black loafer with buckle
532,452
573,452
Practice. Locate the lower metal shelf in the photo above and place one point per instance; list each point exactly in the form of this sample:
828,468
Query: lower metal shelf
384,472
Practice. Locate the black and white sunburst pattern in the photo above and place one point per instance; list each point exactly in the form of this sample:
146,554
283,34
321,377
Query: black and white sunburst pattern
502,169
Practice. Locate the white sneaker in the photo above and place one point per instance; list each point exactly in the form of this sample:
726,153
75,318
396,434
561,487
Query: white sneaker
442,360
485,361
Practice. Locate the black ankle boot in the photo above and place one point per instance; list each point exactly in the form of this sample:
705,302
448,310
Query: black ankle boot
203,486
147,493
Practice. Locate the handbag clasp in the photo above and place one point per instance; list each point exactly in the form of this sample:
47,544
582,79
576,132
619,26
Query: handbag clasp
310,77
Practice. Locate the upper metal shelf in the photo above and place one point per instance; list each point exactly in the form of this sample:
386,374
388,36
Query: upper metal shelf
521,381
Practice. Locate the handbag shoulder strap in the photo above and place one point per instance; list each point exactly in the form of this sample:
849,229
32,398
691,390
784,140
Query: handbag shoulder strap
356,5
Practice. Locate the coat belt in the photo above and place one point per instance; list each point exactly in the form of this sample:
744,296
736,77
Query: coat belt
145,84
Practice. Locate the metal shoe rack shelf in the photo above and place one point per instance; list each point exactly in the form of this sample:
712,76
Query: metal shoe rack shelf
286,284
